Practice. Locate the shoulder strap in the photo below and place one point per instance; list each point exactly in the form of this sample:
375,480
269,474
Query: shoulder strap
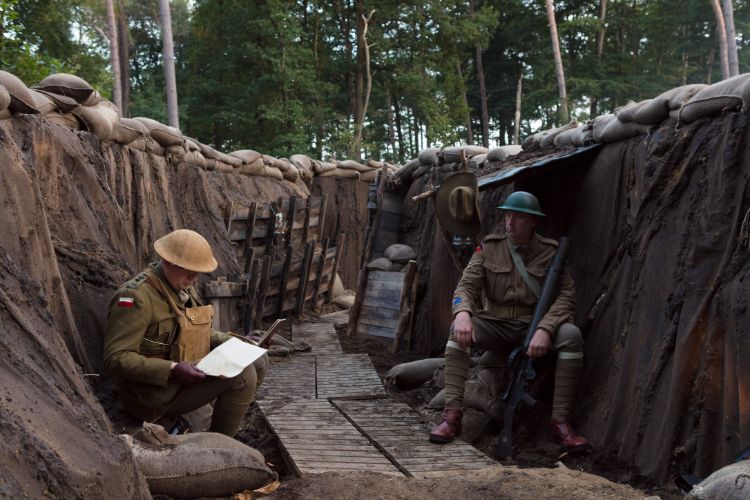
157,285
533,285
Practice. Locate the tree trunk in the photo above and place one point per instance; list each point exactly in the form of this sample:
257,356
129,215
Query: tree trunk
168,56
558,61
359,71
482,87
389,118
114,56
399,130
602,29
124,44
721,32
710,65
732,59
517,117
362,106
469,133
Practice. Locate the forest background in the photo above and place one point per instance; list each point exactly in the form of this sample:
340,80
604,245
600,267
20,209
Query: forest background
292,76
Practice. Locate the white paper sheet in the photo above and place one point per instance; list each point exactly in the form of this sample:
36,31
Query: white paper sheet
230,358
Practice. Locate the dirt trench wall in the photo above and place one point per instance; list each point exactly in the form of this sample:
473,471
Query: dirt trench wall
660,228
79,218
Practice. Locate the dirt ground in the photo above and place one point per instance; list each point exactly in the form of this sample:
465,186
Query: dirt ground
539,469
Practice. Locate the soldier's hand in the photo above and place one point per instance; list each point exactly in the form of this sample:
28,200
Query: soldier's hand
463,328
540,343
186,373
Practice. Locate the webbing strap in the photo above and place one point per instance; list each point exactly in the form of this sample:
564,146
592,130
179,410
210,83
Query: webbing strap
569,355
533,285
455,345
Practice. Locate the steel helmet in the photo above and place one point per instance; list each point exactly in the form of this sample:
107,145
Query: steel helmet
521,201
187,249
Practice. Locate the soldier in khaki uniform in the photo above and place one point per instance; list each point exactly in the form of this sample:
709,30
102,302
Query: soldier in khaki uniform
492,308
158,328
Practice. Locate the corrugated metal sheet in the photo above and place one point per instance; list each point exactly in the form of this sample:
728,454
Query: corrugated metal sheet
507,174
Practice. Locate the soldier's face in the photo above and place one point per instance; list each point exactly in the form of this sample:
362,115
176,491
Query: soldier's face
520,226
179,278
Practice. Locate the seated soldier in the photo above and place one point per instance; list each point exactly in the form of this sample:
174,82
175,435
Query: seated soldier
508,270
158,328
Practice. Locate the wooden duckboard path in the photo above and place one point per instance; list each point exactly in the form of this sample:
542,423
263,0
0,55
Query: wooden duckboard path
337,318
292,378
399,432
348,376
321,336
318,438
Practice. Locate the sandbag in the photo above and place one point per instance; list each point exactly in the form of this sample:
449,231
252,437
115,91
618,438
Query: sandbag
428,156
379,264
453,155
273,173
652,111
92,100
228,159
565,138
583,136
284,164
211,164
67,85
375,163
346,301
438,401
617,131
42,103
163,134
254,168
4,98
731,93
411,375
65,119
697,109
353,165
225,168
627,113
100,120
600,123
322,167
125,134
338,287
291,174
478,161
503,152
195,158
548,141
208,152
369,176
191,145
728,483
678,96
531,143
247,155
154,147
341,172
139,144
399,252
301,161
175,152
404,173
21,100
200,464
421,171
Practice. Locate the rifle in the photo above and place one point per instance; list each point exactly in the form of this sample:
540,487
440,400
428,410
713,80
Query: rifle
521,365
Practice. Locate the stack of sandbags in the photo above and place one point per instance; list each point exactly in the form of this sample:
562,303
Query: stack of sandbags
548,141
728,483
304,166
130,132
348,169
533,142
252,162
193,154
272,168
582,135
453,155
496,156
394,259
608,128
163,139
15,96
404,174
733,93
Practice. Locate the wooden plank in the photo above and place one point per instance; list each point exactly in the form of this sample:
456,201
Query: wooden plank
323,209
386,302
321,336
386,276
294,378
263,289
387,286
249,252
308,214
408,296
390,324
319,272
376,331
250,296
228,214
271,227
290,220
223,289
304,277
347,375
285,277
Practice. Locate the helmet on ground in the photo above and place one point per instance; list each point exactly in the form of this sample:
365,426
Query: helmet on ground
187,249
521,201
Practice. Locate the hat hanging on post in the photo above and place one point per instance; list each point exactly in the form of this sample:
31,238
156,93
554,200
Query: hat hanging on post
457,204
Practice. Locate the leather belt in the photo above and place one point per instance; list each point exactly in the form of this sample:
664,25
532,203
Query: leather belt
507,312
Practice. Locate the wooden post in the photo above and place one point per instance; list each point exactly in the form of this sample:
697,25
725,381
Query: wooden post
284,279
250,295
228,214
322,216
304,276
407,307
290,220
308,214
271,227
263,289
362,277
319,276
249,253
336,258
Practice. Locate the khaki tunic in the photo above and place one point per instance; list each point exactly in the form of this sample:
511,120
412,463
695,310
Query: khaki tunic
141,329
492,284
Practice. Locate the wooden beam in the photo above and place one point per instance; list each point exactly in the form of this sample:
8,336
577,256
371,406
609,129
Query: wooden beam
249,253
322,216
319,273
228,214
271,228
251,295
290,220
304,276
284,278
407,309
263,289
339,246
308,214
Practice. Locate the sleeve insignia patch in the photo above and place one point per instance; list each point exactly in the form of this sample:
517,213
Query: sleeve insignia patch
126,302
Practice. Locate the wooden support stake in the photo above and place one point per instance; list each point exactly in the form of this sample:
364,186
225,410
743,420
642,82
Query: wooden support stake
249,253
284,279
406,307
263,289
304,276
228,214
290,220
322,216
337,257
271,227
369,244
250,295
319,276
308,214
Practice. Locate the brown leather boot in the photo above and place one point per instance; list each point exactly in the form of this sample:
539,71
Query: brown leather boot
563,432
449,428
